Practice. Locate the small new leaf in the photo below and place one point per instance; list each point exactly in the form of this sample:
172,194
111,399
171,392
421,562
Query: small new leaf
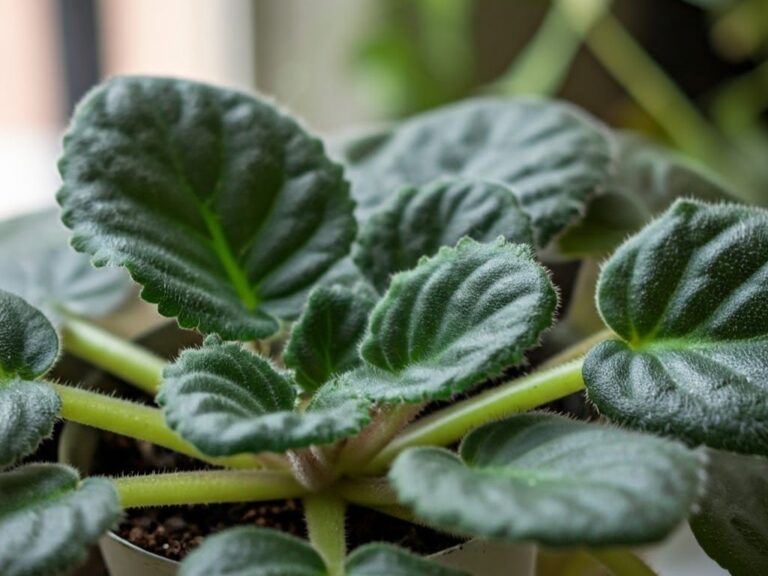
226,400
417,222
554,481
37,263
731,520
324,341
646,180
49,518
28,349
222,207
550,156
248,551
688,296
457,319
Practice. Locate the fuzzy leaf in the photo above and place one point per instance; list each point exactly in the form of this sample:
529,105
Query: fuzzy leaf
731,521
324,341
248,551
555,481
646,180
417,222
226,400
388,560
551,156
49,518
222,207
37,263
28,349
688,296
457,319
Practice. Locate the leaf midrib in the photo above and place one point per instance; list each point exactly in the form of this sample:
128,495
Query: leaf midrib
227,258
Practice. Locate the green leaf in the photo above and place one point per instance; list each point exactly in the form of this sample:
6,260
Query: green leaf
550,155
324,341
226,400
28,349
731,521
417,222
555,481
457,319
29,345
388,560
248,551
646,180
222,207
37,263
688,296
49,518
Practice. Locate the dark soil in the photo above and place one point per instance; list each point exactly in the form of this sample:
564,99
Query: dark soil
173,531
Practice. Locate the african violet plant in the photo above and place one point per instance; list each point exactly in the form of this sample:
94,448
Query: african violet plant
330,328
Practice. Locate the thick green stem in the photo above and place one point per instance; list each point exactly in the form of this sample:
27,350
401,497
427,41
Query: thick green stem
206,487
450,424
622,562
325,514
368,492
122,358
133,420
649,85
542,67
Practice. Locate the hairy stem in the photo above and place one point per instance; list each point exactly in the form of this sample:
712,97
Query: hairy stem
543,65
122,358
450,424
325,514
133,420
390,420
622,562
206,487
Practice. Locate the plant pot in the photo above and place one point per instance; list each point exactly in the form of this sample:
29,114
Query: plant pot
78,444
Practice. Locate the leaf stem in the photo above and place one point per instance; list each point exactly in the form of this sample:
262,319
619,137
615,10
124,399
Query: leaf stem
450,424
325,515
133,420
122,358
577,350
206,487
544,64
368,492
622,562
651,87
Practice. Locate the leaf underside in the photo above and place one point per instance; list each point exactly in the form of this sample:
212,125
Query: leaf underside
457,319
417,222
37,263
558,482
223,208
731,521
552,157
646,180
49,518
29,347
226,400
248,551
324,340
689,297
